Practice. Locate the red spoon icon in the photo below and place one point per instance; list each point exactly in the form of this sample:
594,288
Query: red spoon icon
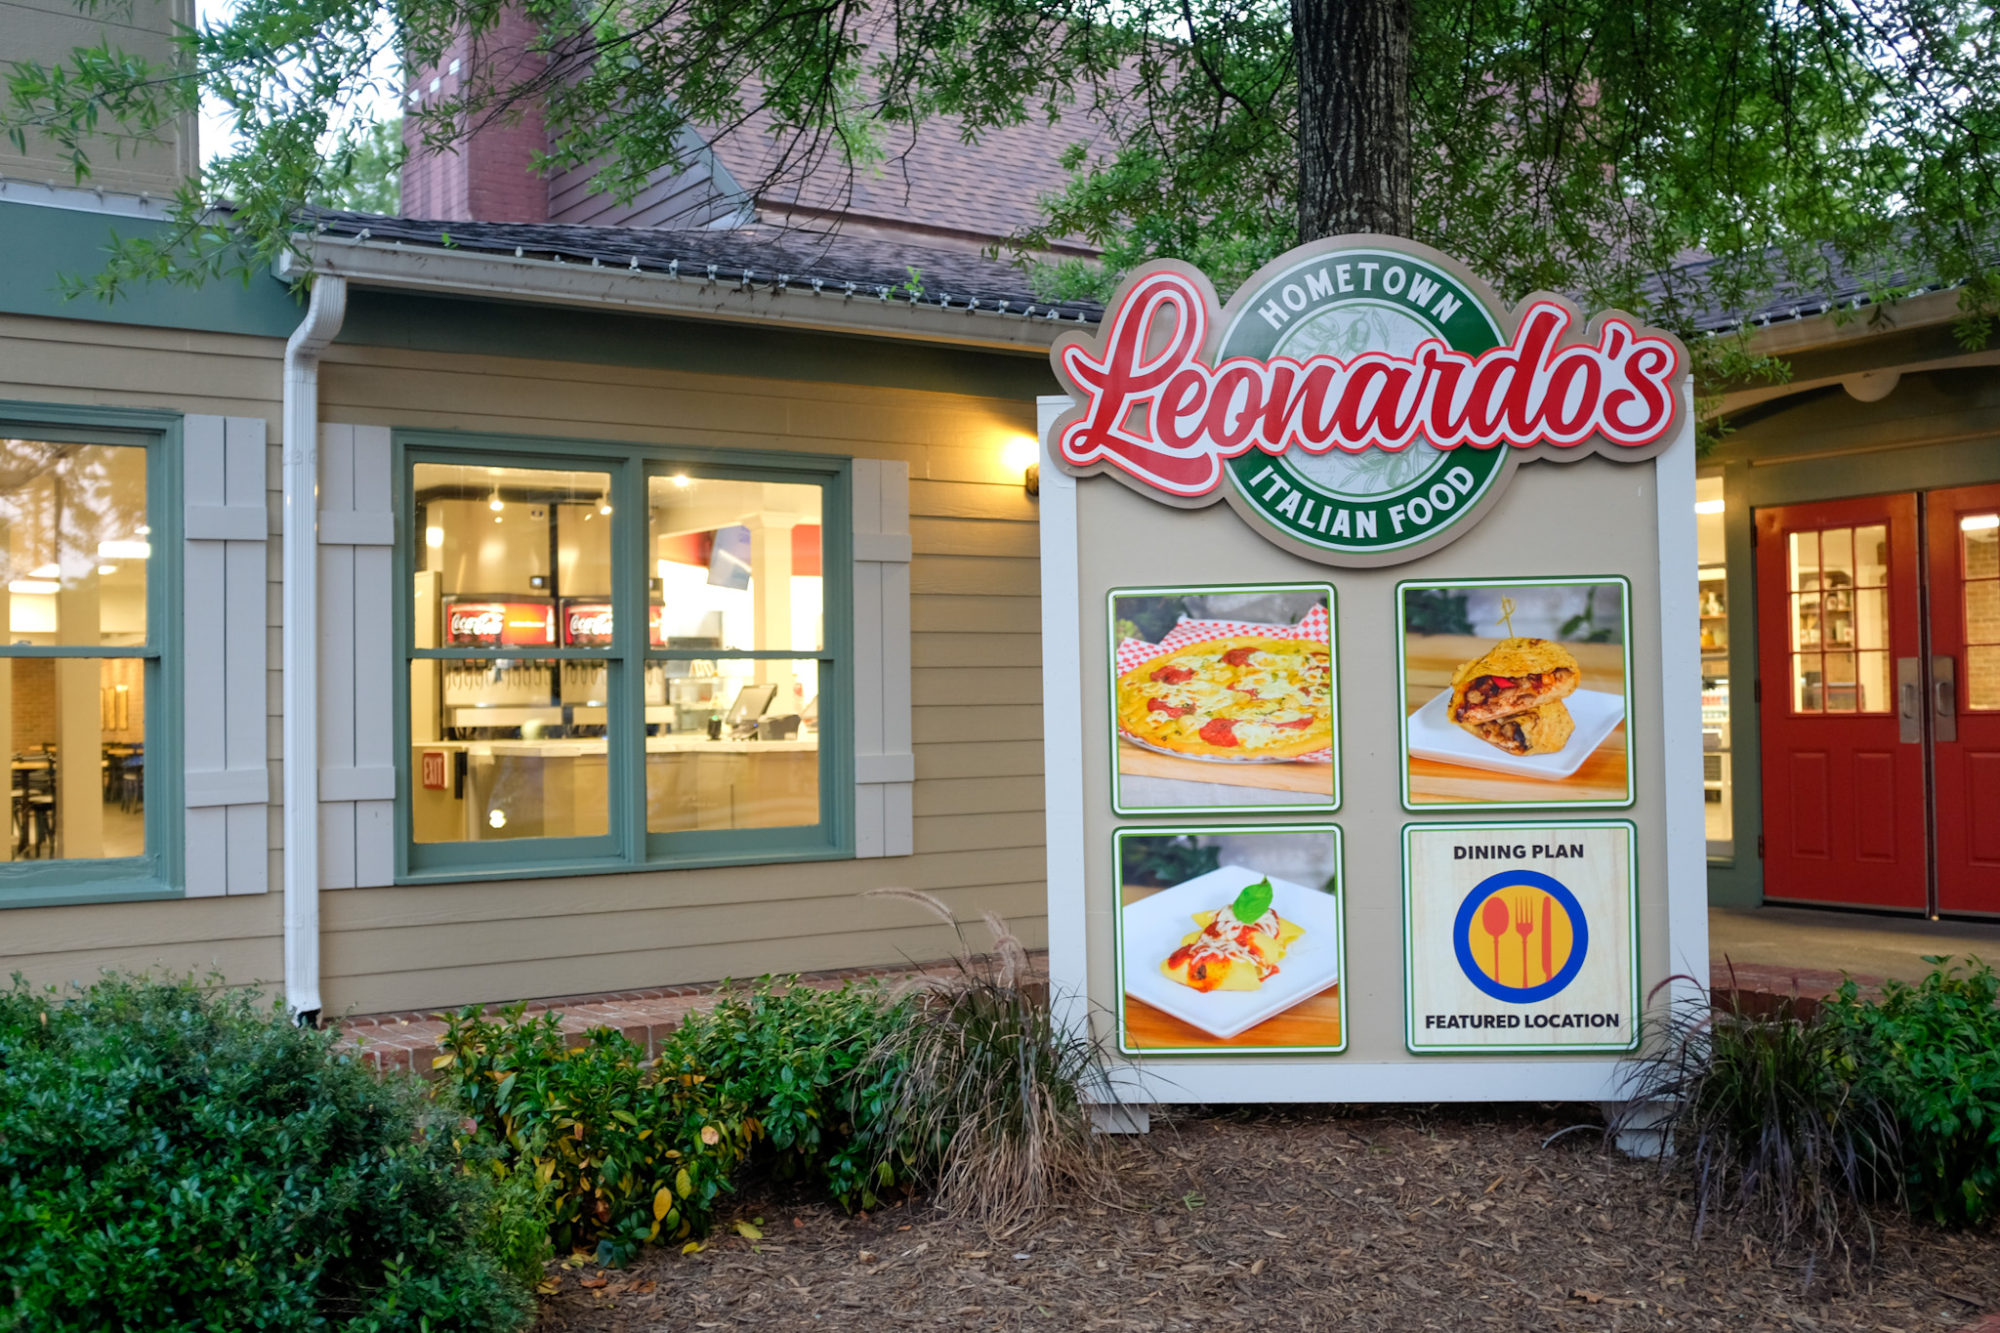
1496,920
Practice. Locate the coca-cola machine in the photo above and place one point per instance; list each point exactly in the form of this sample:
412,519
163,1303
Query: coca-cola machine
480,696
586,623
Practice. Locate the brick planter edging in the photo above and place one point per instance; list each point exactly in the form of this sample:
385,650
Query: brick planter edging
408,1040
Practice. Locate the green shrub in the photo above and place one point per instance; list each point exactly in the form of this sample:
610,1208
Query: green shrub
175,1159
798,1060
623,1150
1930,1053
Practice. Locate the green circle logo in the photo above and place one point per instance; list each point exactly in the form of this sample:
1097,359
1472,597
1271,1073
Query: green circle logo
1344,303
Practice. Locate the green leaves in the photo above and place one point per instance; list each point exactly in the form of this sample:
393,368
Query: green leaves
1253,902
181,1158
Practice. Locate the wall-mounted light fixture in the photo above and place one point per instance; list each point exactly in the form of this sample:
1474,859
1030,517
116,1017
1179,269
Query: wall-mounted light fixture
1024,453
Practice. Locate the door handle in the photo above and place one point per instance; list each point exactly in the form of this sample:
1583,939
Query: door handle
1944,698
1910,700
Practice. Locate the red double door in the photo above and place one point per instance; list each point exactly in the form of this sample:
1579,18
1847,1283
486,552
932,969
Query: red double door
1878,627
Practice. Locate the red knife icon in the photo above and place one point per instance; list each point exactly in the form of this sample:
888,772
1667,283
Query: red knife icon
1548,937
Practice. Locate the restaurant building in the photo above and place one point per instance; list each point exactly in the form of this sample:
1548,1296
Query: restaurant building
542,608
1850,617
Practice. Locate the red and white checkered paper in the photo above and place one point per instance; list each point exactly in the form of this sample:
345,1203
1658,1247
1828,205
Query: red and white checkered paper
1131,652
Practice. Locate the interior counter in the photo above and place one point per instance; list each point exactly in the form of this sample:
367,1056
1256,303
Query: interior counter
487,790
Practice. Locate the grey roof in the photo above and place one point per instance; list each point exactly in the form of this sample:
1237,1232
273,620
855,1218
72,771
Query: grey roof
1787,300
845,261
894,268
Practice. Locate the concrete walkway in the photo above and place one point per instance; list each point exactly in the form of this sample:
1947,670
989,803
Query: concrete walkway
1770,945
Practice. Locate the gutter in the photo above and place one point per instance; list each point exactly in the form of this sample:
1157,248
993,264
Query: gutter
798,303
300,563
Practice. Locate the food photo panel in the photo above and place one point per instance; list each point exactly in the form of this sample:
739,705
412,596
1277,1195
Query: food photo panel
1230,940
1516,693
1224,698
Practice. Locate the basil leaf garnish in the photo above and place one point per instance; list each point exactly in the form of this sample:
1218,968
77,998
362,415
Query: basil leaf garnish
1253,902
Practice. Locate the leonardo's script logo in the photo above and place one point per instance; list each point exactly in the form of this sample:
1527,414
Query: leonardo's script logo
1360,398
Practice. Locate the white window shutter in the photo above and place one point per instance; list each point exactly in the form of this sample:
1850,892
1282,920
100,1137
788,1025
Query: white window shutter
225,523
357,770
884,764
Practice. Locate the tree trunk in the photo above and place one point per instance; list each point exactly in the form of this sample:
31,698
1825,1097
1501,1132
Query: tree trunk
1354,116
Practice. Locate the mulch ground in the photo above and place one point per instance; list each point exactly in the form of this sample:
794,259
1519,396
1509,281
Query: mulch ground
1452,1219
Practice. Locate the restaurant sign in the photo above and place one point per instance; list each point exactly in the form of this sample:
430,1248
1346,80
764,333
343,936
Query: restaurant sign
1360,400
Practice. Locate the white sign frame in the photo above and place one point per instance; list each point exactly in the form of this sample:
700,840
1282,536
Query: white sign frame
1429,1078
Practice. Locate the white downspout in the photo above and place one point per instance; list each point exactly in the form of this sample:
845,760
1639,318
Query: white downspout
327,307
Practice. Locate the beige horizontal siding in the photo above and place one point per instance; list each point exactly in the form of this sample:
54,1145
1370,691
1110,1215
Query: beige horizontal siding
976,622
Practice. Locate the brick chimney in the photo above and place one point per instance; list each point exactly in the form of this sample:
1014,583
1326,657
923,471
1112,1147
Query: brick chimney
487,176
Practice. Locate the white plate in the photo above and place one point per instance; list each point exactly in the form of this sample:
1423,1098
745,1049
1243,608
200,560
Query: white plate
1433,735
1152,928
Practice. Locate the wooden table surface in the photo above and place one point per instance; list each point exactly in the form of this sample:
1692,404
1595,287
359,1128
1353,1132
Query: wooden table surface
1427,673
1316,779
1311,1022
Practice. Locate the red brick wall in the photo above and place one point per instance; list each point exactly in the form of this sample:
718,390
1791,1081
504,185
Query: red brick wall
488,175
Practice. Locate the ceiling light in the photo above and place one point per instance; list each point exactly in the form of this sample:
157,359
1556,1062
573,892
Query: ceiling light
1708,506
124,550
434,538
680,480
48,571
107,569
33,587
1979,522
143,530
496,504
604,507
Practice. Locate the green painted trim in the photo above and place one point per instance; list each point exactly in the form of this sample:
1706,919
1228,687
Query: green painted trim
1111,688
44,242
626,847
1631,911
476,327
158,874
1118,837
1403,693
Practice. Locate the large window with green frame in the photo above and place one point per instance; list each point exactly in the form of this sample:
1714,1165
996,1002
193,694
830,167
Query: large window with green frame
86,711
619,656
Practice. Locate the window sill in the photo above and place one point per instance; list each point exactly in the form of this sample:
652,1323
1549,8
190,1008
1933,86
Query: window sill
86,891
572,869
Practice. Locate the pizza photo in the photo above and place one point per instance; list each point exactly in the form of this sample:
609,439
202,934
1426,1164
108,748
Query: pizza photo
1224,698
1239,698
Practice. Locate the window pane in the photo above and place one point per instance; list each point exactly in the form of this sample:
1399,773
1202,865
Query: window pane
735,564
1981,535
1982,611
1805,561
1805,683
75,541
1836,557
1840,683
734,749
1871,618
1871,556
1982,676
77,737
507,748
1872,682
1805,621
505,552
